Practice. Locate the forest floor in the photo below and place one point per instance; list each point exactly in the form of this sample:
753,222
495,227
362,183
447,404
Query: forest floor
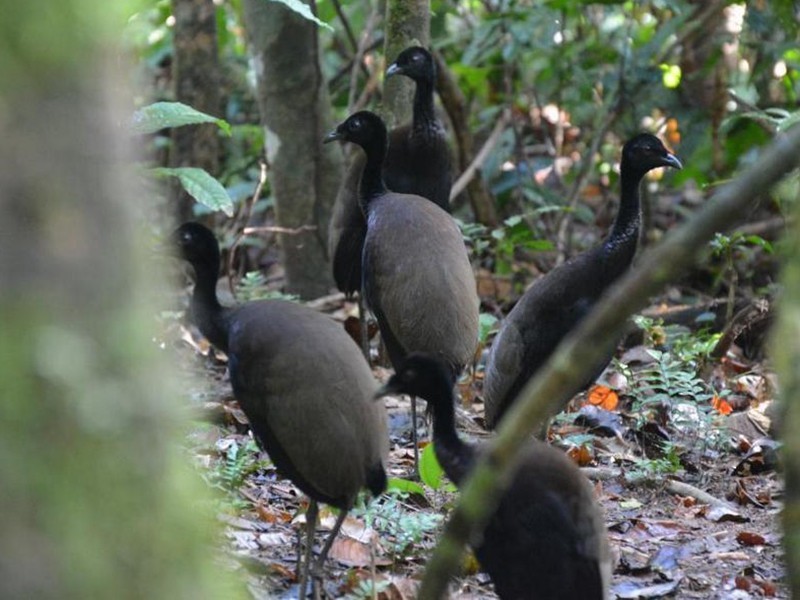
684,470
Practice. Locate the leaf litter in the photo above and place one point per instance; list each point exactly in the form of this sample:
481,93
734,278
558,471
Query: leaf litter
710,531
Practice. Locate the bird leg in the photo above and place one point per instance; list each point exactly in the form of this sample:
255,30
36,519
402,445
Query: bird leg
311,527
319,565
363,327
414,439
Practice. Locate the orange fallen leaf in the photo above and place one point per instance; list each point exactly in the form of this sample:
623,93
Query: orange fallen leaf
723,407
581,455
604,397
271,515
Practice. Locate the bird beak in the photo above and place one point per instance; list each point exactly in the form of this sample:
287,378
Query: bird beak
393,70
332,136
670,160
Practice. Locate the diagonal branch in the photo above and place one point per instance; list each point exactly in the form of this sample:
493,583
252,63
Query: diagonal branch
588,343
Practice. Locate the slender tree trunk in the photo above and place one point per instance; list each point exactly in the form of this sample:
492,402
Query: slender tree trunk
295,111
94,502
786,349
197,82
408,23
480,198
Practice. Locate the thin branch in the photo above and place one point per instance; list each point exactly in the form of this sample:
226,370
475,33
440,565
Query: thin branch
283,230
344,70
684,489
477,162
605,118
594,337
262,179
359,57
346,24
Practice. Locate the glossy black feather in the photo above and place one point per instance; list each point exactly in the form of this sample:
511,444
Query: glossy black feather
547,540
557,302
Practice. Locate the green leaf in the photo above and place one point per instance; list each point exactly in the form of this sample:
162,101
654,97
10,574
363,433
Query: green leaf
405,485
160,115
303,10
486,322
429,469
201,186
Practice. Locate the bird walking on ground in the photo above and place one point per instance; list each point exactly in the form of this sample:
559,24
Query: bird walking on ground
304,386
555,304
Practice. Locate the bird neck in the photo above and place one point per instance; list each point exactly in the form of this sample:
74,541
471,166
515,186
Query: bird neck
207,312
625,231
372,183
455,455
424,115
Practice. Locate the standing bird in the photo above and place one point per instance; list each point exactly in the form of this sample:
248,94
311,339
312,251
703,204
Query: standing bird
417,278
546,540
417,162
303,385
556,303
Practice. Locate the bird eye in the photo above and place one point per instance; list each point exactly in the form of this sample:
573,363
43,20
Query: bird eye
416,57
186,237
355,124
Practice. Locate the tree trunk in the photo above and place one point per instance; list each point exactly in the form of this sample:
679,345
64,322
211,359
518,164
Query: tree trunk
197,82
408,23
295,111
94,502
786,350
480,198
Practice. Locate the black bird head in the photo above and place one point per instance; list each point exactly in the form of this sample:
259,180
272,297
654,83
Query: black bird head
196,244
364,128
415,62
645,152
421,375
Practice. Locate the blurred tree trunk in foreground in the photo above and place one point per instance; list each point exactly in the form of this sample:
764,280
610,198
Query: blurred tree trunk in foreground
95,500
295,111
197,82
786,349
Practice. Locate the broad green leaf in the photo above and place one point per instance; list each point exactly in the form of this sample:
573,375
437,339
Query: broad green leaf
159,115
405,485
429,469
201,186
303,10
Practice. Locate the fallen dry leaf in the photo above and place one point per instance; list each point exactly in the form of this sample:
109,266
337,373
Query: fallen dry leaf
351,552
749,538
272,515
604,397
581,455
721,406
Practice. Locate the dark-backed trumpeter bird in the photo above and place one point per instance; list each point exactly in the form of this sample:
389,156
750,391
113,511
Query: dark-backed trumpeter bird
546,540
417,278
557,302
304,386
417,162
